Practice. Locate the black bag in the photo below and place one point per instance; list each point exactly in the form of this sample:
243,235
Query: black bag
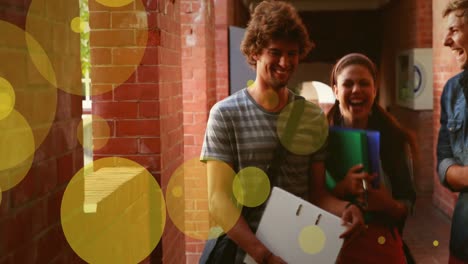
219,251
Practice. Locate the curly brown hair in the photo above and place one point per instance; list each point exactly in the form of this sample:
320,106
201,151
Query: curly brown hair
274,20
455,5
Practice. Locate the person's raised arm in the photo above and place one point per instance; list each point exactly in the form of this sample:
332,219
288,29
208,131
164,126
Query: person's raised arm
228,216
350,214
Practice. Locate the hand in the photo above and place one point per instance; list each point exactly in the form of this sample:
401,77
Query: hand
353,219
352,182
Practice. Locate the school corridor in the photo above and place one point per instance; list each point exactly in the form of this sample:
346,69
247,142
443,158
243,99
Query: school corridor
121,90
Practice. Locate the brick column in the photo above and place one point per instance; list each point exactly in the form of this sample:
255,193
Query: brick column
171,115
144,111
199,70
223,17
30,229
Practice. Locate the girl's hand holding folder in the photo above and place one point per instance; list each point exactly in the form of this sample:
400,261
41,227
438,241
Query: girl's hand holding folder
352,183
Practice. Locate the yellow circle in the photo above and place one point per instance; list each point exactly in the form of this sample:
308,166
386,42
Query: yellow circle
114,3
312,239
177,191
41,60
75,25
84,27
59,45
93,132
121,48
187,200
7,98
35,97
17,141
251,187
11,177
250,82
381,240
302,132
435,243
269,99
113,214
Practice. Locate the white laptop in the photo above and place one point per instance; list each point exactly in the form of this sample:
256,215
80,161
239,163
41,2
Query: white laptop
298,231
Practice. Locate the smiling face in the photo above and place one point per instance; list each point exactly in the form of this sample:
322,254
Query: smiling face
355,90
276,63
456,37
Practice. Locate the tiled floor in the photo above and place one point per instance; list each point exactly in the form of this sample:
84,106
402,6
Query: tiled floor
423,228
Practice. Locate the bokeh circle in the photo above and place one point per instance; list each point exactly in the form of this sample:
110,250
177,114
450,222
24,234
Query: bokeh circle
302,132
187,200
113,211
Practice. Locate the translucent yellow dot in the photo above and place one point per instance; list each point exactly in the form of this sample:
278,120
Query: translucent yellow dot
11,177
126,44
75,25
312,239
114,3
41,60
381,240
34,97
177,191
250,82
302,132
114,214
17,141
251,187
435,243
84,27
269,99
187,200
7,98
59,43
93,132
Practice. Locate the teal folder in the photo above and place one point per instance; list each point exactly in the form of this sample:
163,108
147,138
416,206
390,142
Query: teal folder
347,148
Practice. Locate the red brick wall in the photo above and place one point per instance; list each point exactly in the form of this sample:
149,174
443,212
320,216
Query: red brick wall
30,229
199,70
222,48
444,68
145,111
408,25
171,115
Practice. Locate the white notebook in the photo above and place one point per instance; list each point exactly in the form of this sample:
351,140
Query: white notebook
298,231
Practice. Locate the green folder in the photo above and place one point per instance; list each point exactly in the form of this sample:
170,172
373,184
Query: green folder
347,148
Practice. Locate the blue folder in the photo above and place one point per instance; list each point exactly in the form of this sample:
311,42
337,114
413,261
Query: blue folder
348,147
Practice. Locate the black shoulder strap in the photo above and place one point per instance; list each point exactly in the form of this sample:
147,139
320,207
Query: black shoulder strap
286,139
